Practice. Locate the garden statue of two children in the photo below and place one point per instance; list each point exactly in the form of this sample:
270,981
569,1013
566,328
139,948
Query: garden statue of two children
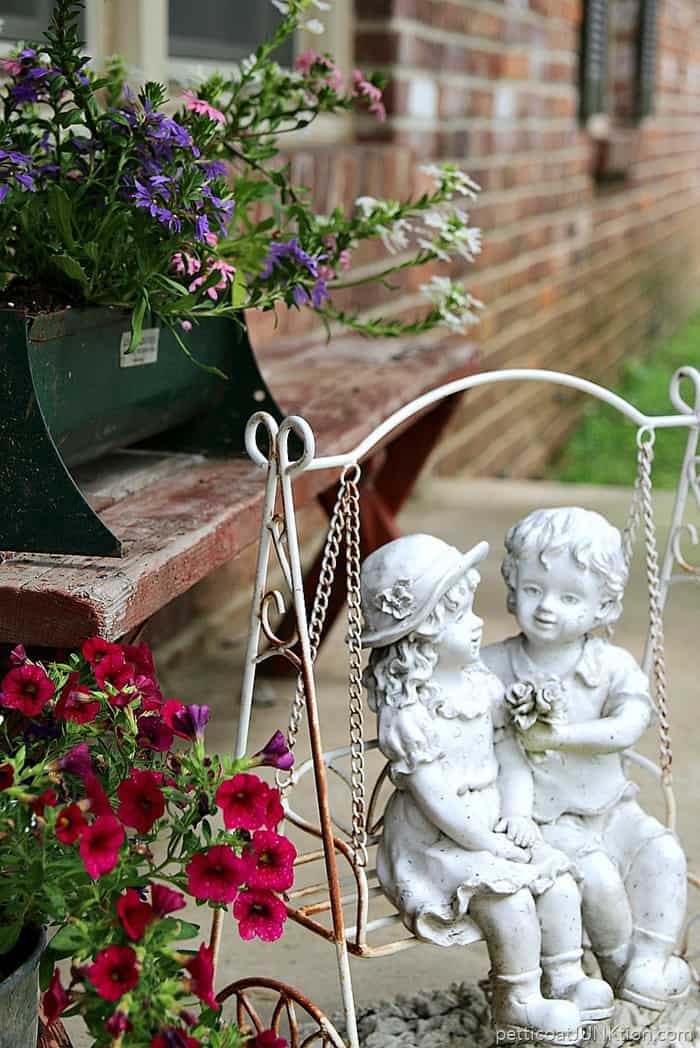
511,809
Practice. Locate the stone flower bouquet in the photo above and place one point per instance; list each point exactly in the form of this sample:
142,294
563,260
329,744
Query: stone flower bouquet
110,197
110,815
529,704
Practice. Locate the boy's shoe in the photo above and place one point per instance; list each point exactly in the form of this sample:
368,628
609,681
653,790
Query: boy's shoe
565,978
521,1013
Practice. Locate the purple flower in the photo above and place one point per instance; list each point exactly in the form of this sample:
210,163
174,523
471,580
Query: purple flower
280,250
274,754
18,655
77,761
4,190
319,293
214,168
201,228
188,722
300,295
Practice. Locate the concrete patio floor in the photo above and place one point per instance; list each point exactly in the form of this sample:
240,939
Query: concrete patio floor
461,512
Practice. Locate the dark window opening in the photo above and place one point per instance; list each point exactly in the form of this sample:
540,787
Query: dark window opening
224,32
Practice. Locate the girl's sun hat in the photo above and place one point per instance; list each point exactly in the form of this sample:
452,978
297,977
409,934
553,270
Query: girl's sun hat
402,582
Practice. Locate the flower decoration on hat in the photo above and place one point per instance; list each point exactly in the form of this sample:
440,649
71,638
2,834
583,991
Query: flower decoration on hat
397,600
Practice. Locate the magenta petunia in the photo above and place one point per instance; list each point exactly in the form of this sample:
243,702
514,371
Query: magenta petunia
113,672
70,824
118,1023
166,900
134,915
267,1039
274,754
7,776
26,688
259,913
141,658
153,733
216,874
141,800
243,801
95,649
47,799
272,861
201,982
100,845
76,703
114,972
55,1000
77,761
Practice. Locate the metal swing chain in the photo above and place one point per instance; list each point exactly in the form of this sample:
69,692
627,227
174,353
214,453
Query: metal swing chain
629,537
645,458
354,642
317,618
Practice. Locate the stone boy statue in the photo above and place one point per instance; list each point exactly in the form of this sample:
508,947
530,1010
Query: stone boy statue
565,574
459,845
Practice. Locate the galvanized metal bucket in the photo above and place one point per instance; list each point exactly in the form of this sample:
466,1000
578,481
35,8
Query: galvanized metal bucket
19,997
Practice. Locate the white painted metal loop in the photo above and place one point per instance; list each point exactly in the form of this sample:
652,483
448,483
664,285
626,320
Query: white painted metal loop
688,374
261,420
646,437
295,424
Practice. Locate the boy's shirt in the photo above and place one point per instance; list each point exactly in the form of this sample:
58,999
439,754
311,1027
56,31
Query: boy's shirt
602,682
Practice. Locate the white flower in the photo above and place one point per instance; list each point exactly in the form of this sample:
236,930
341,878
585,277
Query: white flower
457,308
314,26
281,5
321,5
455,235
451,180
367,205
395,238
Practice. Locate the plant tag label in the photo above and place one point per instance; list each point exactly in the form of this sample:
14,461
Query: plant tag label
146,353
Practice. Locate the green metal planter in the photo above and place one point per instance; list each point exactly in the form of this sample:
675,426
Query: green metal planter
69,393
19,993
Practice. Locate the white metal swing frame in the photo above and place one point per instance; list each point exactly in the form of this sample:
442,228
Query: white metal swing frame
279,534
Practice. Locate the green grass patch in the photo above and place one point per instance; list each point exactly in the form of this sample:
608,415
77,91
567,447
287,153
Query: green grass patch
602,449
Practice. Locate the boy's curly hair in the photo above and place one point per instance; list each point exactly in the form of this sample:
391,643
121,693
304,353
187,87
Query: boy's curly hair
592,542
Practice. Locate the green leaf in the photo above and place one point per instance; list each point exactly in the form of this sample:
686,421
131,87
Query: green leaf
61,213
67,941
74,116
137,323
178,930
239,290
72,268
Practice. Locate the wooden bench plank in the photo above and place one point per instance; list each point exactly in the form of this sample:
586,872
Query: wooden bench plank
182,517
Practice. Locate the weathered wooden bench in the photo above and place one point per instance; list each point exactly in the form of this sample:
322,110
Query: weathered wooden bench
181,516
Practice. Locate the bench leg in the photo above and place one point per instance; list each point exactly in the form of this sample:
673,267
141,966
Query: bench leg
388,478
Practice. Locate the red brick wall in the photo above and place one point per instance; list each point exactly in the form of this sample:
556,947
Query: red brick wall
574,275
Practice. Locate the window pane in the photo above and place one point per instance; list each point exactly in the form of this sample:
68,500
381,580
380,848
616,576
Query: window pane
27,19
224,32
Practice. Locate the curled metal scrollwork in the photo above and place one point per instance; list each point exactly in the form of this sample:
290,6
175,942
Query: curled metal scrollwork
273,601
691,532
685,374
284,1021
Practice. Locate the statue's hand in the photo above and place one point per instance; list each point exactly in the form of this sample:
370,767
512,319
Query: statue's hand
539,737
505,849
520,829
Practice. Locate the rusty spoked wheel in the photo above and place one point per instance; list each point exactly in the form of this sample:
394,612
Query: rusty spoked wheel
293,1016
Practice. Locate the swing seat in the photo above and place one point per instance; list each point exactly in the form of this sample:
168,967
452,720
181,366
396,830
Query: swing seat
373,926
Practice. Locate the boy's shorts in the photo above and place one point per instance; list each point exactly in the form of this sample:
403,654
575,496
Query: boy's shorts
619,833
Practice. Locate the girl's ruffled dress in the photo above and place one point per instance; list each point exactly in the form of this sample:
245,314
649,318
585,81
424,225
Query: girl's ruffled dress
429,878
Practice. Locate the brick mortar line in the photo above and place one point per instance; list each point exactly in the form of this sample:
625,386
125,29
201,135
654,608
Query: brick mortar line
414,123
450,79
399,24
496,7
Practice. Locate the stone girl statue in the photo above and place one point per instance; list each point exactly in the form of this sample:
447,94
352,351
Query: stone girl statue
565,574
458,843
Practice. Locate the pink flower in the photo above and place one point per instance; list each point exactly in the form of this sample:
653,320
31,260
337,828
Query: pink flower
243,800
272,861
70,823
114,972
216,874
306,60
186,325
212,239
370,92
227,274
141,801
100,844
55,999
26,688
134,915
165,900
11,67
201,969
259,913
204,108
75,702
